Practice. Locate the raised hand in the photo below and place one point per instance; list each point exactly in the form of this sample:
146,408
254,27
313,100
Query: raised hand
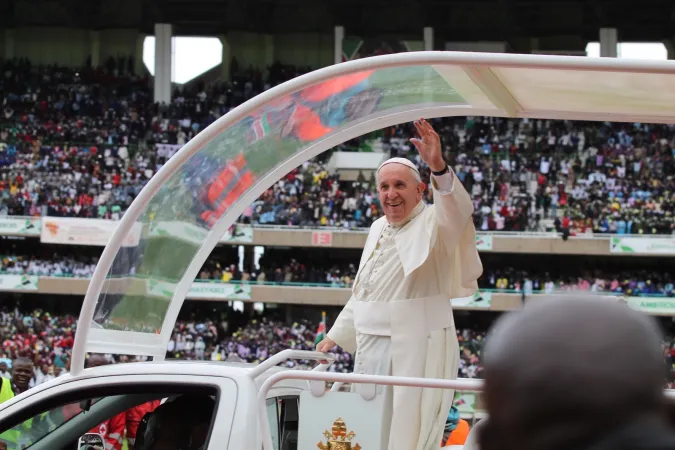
428,145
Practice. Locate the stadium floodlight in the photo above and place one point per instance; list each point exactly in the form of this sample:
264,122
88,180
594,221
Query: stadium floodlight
151,260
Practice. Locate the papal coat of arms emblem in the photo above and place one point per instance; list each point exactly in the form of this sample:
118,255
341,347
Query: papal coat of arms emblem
338,438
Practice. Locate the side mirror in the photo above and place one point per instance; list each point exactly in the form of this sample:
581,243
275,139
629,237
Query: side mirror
91,441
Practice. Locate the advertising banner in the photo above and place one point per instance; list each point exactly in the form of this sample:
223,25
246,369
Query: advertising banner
646,245
202,290
481,300
75,231
484,242
237,234
10,282
219,291
20,226
322,239
652,305
465,402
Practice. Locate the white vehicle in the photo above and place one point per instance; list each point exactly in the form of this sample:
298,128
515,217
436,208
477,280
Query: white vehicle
168,232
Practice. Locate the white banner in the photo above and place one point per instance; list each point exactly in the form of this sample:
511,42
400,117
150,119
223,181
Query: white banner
482,300
18,282
646,245
202,290
75,231
20,226
484,242
219,291
652,305
238,233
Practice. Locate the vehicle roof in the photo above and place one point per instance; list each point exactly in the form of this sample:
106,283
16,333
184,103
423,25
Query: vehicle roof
263,139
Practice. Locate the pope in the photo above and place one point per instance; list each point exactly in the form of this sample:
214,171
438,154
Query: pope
399,318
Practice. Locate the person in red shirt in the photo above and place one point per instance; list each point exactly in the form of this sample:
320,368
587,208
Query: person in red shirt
112,429
135,415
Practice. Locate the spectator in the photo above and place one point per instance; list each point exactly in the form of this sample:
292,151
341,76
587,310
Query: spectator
551,379
22,375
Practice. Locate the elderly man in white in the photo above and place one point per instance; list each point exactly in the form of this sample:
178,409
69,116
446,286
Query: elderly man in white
399,319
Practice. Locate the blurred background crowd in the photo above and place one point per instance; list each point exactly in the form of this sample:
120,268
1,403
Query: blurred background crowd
47,340
84,142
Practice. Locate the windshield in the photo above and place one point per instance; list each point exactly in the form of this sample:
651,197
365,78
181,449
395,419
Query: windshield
30,431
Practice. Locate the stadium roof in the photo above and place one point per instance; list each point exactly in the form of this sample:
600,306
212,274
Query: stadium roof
454,20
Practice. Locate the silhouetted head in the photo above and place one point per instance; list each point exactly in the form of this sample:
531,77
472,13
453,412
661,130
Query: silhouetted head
568,372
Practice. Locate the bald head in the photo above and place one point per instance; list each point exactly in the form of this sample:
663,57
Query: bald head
565,372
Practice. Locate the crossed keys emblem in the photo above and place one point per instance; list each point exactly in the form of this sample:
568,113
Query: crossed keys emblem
338,438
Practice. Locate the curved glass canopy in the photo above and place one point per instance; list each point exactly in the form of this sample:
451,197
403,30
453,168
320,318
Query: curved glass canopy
137,290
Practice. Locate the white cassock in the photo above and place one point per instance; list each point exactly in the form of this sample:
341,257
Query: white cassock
399,319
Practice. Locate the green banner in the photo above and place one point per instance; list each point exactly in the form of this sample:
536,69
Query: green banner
465,402
481,300
20,226
645,245
484,242
219,291
653,306
9,282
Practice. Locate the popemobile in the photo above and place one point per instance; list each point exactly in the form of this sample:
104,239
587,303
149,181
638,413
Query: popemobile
143,275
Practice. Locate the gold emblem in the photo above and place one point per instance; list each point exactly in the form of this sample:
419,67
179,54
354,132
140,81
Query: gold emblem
338,438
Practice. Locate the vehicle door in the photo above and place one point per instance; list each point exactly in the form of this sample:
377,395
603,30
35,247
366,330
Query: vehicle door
57,417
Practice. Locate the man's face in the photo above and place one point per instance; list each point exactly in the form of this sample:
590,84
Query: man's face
3,367
21,374
398,190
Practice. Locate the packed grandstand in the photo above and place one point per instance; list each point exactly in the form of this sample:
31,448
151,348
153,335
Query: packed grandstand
82,143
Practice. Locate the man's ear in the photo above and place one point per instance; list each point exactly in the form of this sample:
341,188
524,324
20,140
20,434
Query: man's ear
421,187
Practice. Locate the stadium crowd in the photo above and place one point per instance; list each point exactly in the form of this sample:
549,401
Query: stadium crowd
47,341
83,143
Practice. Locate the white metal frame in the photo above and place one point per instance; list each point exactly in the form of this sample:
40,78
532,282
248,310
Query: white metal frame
476,66
459,384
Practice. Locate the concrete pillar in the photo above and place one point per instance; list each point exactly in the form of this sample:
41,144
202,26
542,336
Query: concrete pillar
163,62
339,35
609,41
95,38
428,38
9,44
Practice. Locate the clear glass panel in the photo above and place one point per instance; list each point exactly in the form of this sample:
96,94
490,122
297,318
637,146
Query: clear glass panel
32,430
174,225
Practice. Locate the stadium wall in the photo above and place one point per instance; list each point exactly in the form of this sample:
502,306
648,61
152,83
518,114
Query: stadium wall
71,47
262,50
294,295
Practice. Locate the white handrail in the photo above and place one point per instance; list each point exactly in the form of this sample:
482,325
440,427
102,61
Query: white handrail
289,353
336,386
460,384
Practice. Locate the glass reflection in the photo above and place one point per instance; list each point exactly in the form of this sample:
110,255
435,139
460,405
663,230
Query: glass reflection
177,220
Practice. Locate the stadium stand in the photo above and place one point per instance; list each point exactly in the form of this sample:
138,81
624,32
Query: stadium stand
83,142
